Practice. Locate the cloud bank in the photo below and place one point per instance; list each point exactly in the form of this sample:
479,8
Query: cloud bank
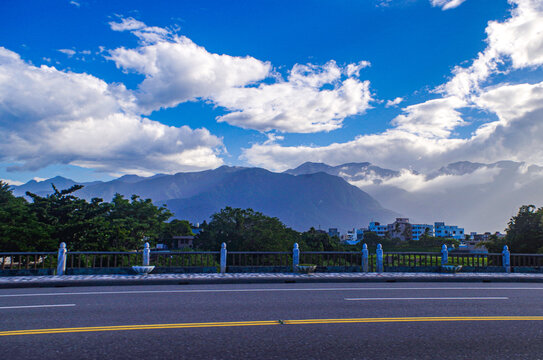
311,99
49,117
424,135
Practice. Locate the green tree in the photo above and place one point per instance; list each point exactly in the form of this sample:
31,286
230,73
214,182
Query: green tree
245,230
19,227
313,240
67,218
175,228
136,221
525,230
493,244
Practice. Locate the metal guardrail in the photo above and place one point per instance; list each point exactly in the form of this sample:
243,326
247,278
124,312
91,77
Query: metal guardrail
347,259
527,260
102,259
249,261
258,258
27,260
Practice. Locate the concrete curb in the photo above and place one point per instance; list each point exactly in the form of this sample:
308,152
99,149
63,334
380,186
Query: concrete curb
256,278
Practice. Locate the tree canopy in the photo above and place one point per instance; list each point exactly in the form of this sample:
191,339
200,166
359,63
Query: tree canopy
40,225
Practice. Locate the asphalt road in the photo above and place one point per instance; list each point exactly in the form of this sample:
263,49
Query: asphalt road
275,321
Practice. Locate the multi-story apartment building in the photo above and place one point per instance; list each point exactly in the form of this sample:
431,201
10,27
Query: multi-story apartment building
448,231
401,229
377,228
420,229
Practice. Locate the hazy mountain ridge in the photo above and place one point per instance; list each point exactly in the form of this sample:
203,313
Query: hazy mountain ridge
350,171
299,201
480,197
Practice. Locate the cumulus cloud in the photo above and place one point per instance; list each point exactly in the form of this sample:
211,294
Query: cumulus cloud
313,98
433,118
446,4
68,52
177,70
414,182
394,103
12,182
299,104
126,24
423,135
518,39
49,116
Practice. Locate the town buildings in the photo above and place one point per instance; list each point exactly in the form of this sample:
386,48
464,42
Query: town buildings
402,229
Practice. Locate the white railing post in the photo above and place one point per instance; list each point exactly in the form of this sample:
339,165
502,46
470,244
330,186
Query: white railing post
506,259
146,254
365,258
380,267
444,255
223,258
61,264
295,257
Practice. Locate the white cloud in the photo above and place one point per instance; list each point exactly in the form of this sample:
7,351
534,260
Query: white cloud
423,136
299,104
313,98
12,182
519,39
68,52
75,3
393,149
49,116
354,69
446,4
433,118
394,103
413,182
178,70
126,24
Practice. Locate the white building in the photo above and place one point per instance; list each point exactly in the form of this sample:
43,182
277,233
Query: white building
420,229
448,231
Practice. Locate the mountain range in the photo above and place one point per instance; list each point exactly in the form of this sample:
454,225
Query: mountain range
479,197
304,201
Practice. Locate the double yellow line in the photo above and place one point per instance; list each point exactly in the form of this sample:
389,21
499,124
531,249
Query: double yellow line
267,323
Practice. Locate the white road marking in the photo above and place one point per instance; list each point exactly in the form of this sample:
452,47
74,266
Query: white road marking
261,290
430,298
34,306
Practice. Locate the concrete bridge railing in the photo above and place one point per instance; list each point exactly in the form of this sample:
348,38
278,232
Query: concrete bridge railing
84,262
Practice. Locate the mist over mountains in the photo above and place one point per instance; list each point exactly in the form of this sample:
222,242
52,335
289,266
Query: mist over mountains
301,202
479,197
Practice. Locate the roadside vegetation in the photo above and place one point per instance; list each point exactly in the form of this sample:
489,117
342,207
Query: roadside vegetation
125,224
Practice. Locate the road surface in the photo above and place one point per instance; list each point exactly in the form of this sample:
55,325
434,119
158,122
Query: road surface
275,321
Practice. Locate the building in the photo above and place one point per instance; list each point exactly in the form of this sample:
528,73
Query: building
377,228
420,229
360,233
182,242
401,229
333,232
350,238
448,231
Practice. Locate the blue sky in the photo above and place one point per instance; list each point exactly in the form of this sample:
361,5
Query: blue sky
94,89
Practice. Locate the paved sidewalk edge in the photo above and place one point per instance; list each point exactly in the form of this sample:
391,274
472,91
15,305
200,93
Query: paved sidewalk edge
287,278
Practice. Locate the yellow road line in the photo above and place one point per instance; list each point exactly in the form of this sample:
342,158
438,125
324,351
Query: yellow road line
270,322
